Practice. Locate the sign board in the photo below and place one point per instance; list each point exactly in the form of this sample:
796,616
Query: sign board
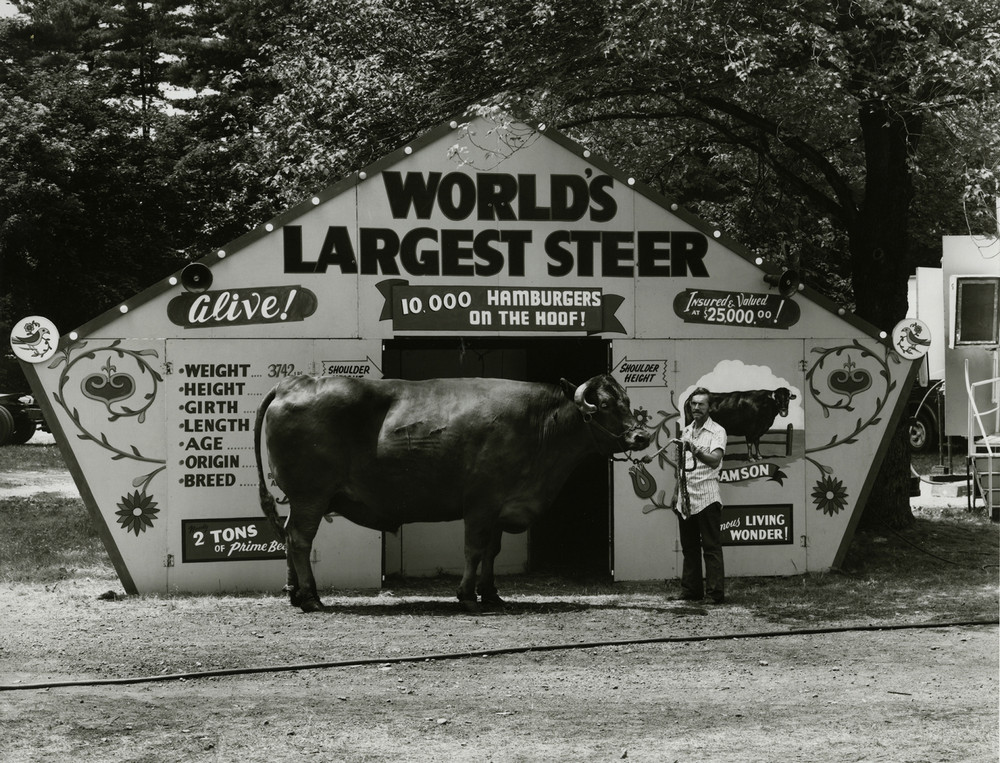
758,525
233,539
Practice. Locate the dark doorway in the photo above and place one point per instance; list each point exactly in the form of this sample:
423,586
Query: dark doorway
573,536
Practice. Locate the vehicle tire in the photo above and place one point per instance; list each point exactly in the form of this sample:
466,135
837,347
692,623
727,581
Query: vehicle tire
24,429
6,426
921,435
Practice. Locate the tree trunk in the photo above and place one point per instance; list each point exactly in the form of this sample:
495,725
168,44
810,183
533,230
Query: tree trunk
881,265
889,502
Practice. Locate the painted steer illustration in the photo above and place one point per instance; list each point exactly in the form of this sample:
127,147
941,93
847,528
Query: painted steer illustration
382,453
749,413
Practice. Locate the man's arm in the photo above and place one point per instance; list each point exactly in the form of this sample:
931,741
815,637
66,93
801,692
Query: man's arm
710,457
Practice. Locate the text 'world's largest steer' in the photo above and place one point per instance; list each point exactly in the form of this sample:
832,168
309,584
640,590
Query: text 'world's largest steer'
384,452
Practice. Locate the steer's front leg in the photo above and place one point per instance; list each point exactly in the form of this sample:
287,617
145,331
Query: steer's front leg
487,582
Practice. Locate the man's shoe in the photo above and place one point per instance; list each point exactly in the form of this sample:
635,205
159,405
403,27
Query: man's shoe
719,600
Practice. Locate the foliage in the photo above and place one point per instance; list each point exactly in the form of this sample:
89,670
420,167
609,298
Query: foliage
76,151
843,137
358,80
825,135
95,140
808,119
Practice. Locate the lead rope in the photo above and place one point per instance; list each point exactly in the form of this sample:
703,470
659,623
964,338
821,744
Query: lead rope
682,498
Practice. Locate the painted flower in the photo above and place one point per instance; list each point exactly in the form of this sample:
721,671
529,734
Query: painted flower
830,495
641,417
136,512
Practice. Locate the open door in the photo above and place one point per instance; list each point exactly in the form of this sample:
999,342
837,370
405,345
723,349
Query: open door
573,536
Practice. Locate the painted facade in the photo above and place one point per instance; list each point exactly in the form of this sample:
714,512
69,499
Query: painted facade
505,233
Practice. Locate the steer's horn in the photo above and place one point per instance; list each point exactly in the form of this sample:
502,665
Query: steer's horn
586,408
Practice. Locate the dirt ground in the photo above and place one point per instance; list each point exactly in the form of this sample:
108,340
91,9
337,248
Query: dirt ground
924,694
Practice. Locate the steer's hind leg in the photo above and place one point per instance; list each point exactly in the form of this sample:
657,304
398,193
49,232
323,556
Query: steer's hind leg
291,579
300,530
487,582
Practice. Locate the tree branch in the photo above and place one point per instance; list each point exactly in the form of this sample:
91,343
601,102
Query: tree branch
846,201
835,206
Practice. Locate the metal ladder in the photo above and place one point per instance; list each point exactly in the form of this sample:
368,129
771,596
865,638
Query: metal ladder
983,437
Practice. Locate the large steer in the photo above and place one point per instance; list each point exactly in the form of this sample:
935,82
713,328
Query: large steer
749,413
382,453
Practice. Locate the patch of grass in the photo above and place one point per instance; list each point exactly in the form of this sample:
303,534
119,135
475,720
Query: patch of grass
942,568
30,457
931,463
48,537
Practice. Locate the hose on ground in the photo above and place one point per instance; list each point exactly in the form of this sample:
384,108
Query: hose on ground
487,653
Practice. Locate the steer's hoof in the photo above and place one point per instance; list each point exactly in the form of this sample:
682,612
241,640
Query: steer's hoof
492,601
471,606
312,605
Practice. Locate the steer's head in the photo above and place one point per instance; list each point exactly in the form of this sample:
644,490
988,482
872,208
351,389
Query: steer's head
781,397
607,410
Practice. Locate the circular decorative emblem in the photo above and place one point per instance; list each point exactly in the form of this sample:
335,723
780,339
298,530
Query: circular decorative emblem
34,339
911,339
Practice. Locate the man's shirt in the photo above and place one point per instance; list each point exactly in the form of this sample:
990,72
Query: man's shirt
702,479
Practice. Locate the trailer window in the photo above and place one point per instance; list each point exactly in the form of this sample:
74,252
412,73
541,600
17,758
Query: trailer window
976,300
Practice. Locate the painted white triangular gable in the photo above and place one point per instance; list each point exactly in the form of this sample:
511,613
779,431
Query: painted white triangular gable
452,185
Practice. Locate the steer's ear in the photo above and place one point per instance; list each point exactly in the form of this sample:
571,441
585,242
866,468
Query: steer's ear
568,388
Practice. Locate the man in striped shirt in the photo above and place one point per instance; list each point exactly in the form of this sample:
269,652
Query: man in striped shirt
701,534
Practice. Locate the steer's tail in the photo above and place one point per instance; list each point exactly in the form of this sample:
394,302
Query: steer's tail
267,504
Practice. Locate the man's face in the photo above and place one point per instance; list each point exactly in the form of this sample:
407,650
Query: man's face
699,408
